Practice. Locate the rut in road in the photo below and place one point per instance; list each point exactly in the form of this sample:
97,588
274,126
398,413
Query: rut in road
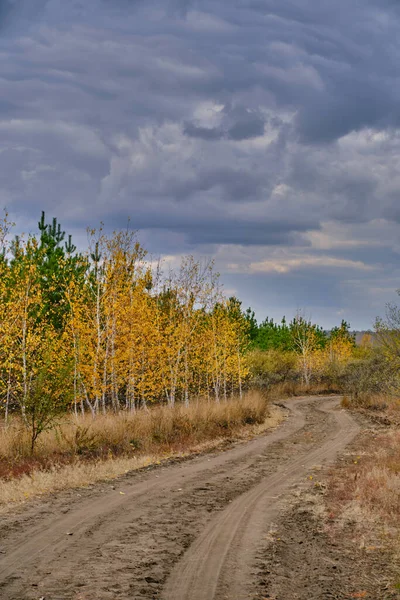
219,563
210,510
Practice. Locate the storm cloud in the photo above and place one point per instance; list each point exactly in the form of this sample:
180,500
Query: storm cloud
263,132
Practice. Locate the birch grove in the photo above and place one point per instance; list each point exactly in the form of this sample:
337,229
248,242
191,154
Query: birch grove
104,329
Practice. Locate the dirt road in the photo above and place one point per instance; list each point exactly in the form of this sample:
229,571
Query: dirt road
186,530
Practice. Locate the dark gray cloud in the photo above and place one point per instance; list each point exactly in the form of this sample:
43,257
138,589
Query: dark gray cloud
212,229
203,133
217,127
348,104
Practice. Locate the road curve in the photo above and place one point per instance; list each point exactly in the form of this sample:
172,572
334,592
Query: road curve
219,562
186,530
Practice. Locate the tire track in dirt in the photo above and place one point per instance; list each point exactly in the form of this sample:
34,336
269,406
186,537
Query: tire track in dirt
125,546
218,564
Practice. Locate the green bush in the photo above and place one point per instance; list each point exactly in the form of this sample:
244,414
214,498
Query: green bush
271,367
371,376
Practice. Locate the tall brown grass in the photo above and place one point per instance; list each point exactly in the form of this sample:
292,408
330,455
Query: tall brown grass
289,389
386,405
159,429
367,489
83,451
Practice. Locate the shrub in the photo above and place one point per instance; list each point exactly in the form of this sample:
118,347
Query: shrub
369,377
272,366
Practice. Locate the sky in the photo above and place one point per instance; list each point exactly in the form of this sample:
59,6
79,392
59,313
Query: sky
262,133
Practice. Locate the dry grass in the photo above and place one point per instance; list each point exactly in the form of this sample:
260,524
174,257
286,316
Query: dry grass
290,389
158,427
77,474
84,451
388,405
365,491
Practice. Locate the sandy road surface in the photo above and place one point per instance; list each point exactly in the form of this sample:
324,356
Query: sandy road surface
185,530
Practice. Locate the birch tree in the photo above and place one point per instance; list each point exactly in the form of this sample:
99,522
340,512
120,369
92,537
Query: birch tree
307,338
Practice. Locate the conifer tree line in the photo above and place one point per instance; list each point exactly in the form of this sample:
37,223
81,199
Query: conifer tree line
299,350
272,335
107,329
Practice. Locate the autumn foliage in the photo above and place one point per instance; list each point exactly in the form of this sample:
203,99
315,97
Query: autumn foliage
108,329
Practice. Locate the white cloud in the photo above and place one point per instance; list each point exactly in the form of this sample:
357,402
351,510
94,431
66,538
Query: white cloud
290,264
